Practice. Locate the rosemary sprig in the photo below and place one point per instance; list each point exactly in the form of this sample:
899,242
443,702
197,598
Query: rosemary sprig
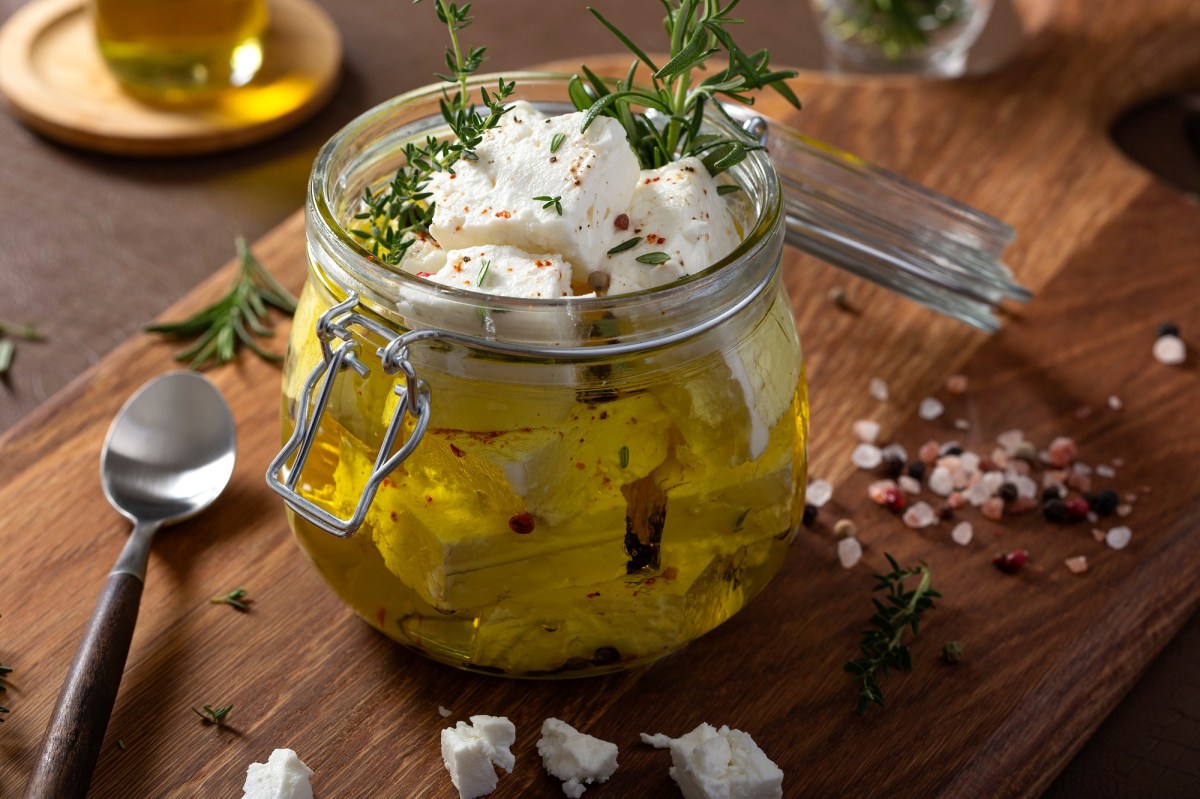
213,715
236,599
235,319
883,647
9,333
897,27
653,258
698,29
396,216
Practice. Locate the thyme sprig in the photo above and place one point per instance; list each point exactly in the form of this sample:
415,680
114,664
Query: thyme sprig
213,715
9,333
883,647
897,27
236,599
670,126
397,215
234,320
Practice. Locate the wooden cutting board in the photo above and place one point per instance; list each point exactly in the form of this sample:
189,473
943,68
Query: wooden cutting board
1110,252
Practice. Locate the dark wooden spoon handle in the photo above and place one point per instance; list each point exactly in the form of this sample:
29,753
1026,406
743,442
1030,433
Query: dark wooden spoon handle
72,743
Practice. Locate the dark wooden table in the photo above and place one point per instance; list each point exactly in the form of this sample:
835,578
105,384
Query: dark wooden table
93,247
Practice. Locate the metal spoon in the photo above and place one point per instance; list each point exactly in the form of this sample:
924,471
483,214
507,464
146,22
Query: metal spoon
168,454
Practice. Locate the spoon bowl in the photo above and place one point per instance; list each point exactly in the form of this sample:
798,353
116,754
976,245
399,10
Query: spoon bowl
168,455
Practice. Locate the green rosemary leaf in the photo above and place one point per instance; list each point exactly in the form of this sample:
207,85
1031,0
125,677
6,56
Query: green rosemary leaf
483,272
728,188
557,141
653,258
551,202
236,599
628,244
213,715
625,40
624,457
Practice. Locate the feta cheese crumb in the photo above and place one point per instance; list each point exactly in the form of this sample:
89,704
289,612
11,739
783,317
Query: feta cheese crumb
470,753
283,776
505,270
708,763
575,758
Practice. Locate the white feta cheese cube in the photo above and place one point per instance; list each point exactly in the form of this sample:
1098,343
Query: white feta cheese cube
283,776
675,210
470,753
424,256
522,116
708,763
490,200
506,271
574,757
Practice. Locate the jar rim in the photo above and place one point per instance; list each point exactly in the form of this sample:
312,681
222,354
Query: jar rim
358,267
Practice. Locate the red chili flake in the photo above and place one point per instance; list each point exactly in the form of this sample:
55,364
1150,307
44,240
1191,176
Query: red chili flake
428,500
424,274
593,595
457,452
381,615
504,214
603,414
894,499
581,466
670,573
521,523
395,517
1011,562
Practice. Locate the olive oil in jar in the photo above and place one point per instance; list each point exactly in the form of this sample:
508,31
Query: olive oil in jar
176,51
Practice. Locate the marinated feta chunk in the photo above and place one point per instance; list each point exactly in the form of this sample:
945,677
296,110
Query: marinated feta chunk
471,752
575,758
506,271
283,776
490,200
675,210
424,256
708,763
522,116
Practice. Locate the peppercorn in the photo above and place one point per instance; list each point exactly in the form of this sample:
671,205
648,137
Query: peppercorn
892,467
951,449
1007,492
1167,329
894,500
1056,511
845,528
946,511
1103,503
810,515
952,651
916,470
1026,451
598,281
1078,508
521,523
1051,492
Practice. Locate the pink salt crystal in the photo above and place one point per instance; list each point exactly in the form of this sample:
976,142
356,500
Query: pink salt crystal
956,501
1114,403
1080,482
866,456
1063,451
956,384
920,515
909,485
878,389
1118,462
849,552
1009,440
993,509
1023,505
960,479
1020,467
962,424
941,481
999,458
929,451
1131,498
879,491
1077,565
1097,534
1092,517
962,533
866,431
1105,471
1124,510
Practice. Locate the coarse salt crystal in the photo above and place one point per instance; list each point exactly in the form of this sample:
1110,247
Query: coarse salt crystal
1170,350
878,389
909,485
977,494
849,552
1124,510
969,462
819,492
1097,534
1026,487
1000,457
992,481
962,424
941,481
1114,402
920,515
929,451
956,384
1105,471
1118,537
1009,440
866,431
866,456
894,451
1081,468
962,533
930,409
444,712
1093,517
1077,565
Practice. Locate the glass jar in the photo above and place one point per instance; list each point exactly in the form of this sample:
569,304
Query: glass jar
584,484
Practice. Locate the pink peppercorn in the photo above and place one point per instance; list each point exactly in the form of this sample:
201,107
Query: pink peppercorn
1011,562
1063,451
1078,508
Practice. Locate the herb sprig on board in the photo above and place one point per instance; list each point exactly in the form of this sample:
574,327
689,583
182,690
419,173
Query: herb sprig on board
236,319
9,333
897,27
883,647
698,30
398,215
213,715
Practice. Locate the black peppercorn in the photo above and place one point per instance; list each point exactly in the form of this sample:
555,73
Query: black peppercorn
1007,492
810,515
1167,329
1050,493
1103,503
1056,511
951,449
916,470
892,467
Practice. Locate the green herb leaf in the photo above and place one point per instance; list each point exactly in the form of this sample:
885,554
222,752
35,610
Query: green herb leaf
741,519
653,258
235,599
629,244
551,202
483,272
557,141
213,715
234,320
624,457
728,188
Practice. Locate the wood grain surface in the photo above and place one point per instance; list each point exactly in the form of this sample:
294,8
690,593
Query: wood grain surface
1110,252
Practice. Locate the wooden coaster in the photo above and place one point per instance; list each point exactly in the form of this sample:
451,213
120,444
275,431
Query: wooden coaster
54,78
